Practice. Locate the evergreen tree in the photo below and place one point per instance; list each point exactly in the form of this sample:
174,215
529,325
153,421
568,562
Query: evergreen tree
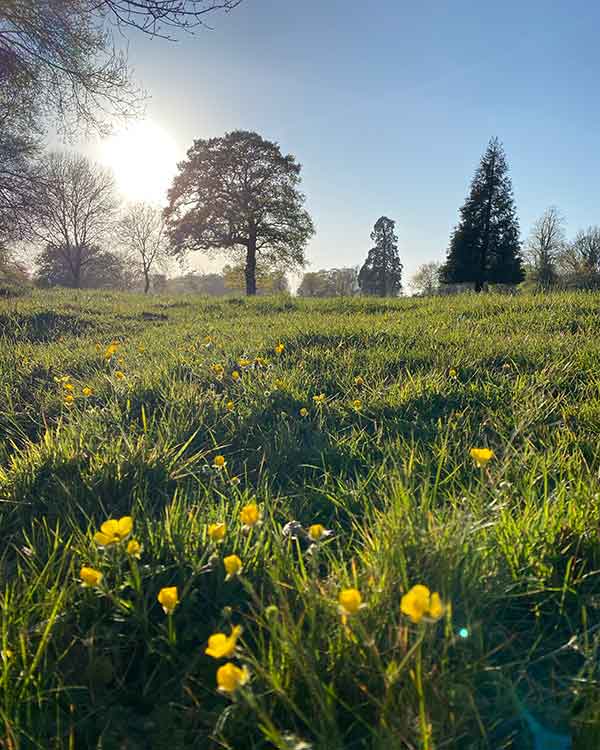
381,273
485,246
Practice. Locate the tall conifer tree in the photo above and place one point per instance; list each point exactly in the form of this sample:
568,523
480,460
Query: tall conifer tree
485,246
381,273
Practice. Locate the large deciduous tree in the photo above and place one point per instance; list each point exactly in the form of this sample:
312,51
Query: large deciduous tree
75,212
426,280
544,247
142,235
239,195
580,259
485,246
381,273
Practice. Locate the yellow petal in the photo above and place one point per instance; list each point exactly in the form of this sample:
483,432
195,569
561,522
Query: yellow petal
436,608
110,527
103,540
415,602
124,526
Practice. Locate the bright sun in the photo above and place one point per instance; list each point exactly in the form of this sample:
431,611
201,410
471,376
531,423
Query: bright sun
144,160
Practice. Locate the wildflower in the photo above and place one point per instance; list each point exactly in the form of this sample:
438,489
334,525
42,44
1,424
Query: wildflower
221,646
111,350
303,412
219,462
134,548
168,598
87,391
218,370
359,381
230,677
141,349
114,531
419,602
68,387
119,375
452,373
235,375
69,399
317,532
243,362
350,601
229,405
279,384
7,654
481,456
216,531
320,399
233,565
357,403
90,576
280,348
250,515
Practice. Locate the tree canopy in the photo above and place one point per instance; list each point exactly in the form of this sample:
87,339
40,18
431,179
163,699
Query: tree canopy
381,273
485,246
239,195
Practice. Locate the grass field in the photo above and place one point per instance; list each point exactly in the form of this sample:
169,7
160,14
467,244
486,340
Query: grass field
512,547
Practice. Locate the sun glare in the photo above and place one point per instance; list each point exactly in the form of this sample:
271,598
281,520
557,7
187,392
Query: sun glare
144,160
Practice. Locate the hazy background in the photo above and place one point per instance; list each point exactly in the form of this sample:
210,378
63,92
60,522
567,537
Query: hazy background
389,106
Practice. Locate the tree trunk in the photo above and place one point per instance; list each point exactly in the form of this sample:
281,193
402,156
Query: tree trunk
251,265
146,282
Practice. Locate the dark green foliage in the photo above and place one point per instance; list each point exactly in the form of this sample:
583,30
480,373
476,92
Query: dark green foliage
240,194
485,246
381,273
85,267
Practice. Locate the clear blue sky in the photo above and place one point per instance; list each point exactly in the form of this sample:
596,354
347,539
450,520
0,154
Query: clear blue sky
388,106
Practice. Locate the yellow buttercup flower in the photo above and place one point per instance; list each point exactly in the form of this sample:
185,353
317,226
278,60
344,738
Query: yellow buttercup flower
114,531
481,456
111,350
320,399
359,381
218,370
233,565
230,677
229,405
68,387
350,601
216,531
235,375
119,375
87,391
280,348
250,514
278,383
69,399
168,598
243,362
134,548
221,646
316,531
357,403
90,576
452,372
419,602
303,412
219,462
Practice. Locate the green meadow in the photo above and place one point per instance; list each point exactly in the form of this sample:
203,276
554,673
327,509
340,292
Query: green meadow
508,658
